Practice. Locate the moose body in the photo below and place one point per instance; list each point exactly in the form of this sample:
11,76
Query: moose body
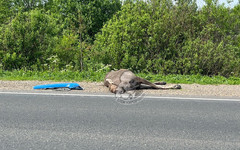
124,80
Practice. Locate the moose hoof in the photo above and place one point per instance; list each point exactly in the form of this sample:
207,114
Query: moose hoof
177,86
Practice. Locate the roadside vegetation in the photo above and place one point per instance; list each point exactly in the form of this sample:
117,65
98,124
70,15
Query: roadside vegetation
93,76
81,40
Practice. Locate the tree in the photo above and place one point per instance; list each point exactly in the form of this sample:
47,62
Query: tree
26,5
5,12
93,12
161,37
82,20
38,31
30,36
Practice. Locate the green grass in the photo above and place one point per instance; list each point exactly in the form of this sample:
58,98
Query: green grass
91,76
51,75
190,79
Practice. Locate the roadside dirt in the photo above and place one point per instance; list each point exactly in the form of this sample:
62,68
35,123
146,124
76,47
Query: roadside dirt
196,90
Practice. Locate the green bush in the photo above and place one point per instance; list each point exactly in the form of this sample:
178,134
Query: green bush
161,37
29,38
156,36
51,35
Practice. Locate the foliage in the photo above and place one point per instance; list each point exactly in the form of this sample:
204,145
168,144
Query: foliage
63,75
74,76
5,12
27,41
85,17
50,34
71,52
147,36
160,37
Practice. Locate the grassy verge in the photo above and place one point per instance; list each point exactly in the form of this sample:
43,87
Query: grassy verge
51,75
92,76
190,79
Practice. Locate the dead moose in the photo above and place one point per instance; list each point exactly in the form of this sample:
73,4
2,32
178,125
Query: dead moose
124,80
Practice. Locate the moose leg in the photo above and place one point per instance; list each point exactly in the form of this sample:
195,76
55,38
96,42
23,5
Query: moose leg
144,86
160,83
177,86
149,85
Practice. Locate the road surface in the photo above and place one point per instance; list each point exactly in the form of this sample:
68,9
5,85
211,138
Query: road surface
74,122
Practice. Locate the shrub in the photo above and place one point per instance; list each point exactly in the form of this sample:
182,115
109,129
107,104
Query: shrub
161,37
30,36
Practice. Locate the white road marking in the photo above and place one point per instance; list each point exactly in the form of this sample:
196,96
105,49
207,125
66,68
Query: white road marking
56,94
113,96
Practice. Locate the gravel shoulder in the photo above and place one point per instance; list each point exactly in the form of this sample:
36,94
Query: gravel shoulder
189,90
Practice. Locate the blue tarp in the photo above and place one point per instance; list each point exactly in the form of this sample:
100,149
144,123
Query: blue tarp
71,86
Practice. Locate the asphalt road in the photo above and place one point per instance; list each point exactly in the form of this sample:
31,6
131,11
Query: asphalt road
49,122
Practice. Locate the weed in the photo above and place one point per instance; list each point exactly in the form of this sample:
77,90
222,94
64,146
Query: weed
98,76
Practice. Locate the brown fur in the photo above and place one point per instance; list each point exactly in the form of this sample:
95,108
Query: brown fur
123,80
